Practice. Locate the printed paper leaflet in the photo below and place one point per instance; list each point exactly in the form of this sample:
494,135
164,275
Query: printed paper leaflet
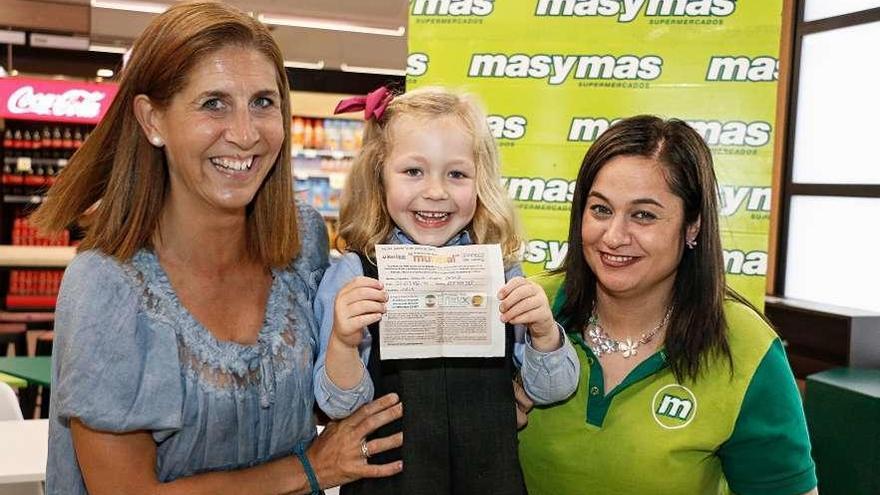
442,301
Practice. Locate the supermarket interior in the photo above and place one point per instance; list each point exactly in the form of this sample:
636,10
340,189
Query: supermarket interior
782,92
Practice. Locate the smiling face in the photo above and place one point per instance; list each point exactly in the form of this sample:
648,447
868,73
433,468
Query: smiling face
632,228
429,178
223,131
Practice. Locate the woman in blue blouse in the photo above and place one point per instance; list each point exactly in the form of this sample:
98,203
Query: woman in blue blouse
185,334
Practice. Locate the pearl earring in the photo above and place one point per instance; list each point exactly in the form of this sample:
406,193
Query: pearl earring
691,243
156,140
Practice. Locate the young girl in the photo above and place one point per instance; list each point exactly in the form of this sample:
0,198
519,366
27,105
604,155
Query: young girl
428,174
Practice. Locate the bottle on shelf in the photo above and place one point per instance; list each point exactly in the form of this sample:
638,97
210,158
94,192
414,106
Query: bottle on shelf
297,132
6,177
332,137
17,142
36,145
34,176
347,134
50,172
27,142
318,134
66,142
308,134
46,140
57,141
77,139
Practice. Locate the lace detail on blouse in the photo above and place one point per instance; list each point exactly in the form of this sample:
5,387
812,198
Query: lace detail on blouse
224,366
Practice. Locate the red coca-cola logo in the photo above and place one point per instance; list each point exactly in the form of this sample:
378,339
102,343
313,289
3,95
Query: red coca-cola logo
76,103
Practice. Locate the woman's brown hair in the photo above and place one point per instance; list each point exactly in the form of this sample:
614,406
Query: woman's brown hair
696,328
124,178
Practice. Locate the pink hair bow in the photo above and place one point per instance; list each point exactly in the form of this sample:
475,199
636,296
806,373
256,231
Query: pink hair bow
373,104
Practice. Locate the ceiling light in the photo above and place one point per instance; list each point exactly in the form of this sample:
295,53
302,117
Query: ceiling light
294,64
372,70
105,73
94,47
312,23
130,6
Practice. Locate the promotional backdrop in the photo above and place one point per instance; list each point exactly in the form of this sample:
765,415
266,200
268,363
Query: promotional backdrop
554,74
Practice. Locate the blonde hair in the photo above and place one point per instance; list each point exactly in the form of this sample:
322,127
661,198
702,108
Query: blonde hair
364,220
124,179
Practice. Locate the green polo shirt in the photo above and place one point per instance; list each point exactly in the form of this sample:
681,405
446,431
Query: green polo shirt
654,435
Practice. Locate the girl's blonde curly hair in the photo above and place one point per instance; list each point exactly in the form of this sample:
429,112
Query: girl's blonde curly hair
364,220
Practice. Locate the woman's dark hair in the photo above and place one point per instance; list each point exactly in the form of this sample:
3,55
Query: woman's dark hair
696,328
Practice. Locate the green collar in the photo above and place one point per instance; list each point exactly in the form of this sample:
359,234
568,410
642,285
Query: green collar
598,402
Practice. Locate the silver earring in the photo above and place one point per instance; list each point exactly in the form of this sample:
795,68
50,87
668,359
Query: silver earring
156,140
691,243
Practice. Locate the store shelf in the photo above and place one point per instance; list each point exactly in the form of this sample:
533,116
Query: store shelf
22,163
23,200
38,142
334,154
320,105
335,177
36,256
30,302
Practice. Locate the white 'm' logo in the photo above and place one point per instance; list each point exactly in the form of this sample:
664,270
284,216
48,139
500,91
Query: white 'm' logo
676,408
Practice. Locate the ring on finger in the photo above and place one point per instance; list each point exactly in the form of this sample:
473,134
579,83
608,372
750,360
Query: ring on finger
365,451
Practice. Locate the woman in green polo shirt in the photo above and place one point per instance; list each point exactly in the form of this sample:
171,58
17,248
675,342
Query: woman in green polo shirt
684,387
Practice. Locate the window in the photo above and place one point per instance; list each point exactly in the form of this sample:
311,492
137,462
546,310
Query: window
830,233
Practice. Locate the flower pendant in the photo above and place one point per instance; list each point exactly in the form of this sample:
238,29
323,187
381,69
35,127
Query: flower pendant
628,348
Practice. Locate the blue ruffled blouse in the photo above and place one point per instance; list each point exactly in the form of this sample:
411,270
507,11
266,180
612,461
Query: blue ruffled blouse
128,356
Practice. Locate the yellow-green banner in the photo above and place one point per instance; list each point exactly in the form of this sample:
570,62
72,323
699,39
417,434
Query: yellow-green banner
554,74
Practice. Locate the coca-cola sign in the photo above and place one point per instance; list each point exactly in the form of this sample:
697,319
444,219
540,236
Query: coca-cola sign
59,101
71,103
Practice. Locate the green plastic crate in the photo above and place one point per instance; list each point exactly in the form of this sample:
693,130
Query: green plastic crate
843,413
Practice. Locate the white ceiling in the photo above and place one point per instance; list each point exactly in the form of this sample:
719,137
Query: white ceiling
298,44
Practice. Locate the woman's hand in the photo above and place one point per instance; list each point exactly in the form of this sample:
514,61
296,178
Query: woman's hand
359,304
523,405
524,303
337,454
114,463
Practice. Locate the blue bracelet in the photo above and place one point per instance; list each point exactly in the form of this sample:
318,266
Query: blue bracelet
307,467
